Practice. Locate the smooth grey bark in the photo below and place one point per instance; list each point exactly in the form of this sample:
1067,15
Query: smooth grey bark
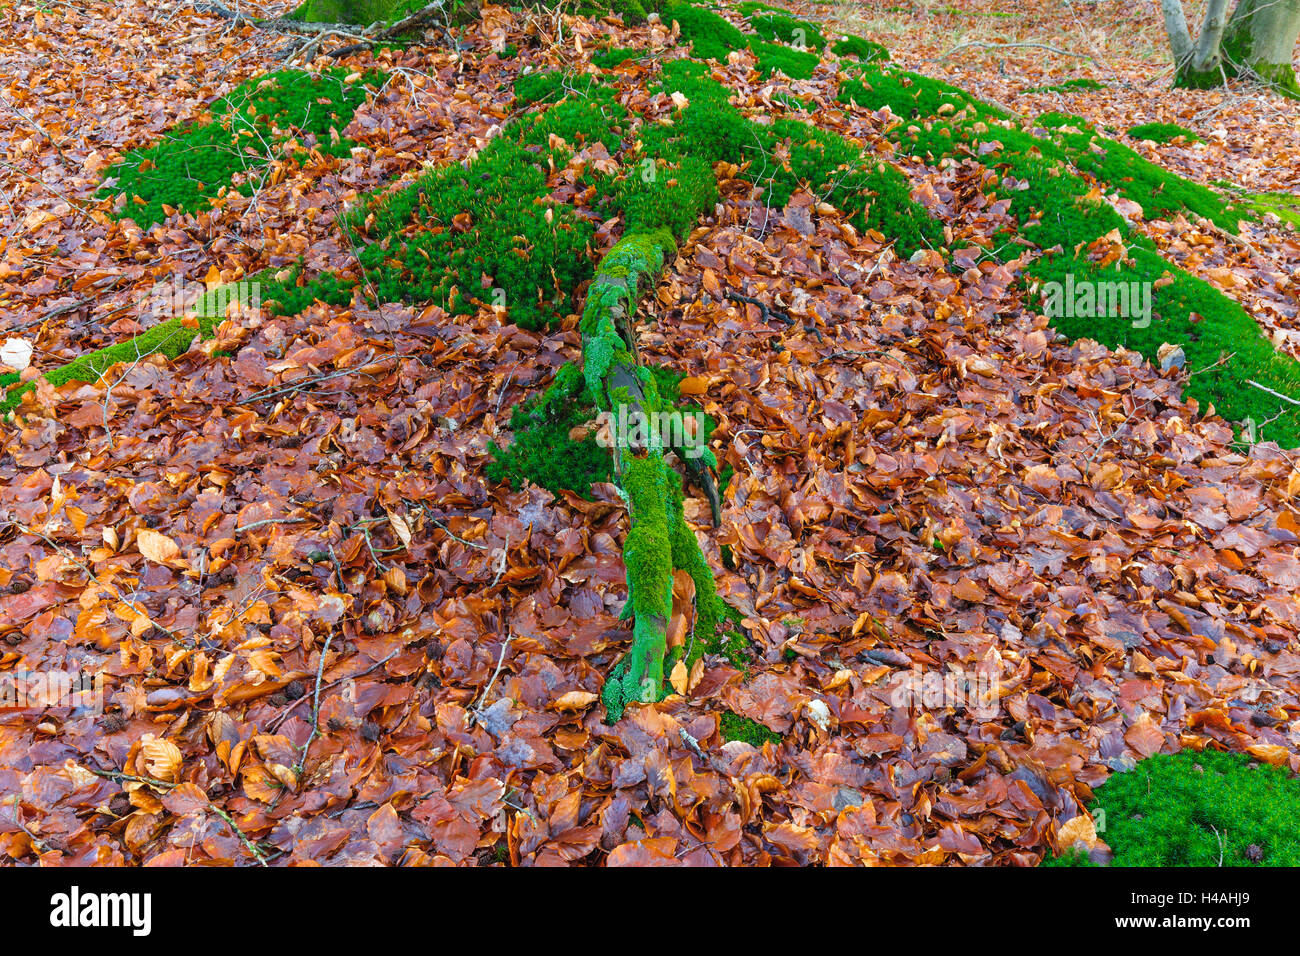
1257,41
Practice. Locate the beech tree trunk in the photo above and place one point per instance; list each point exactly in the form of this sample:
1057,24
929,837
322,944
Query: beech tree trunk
1256,42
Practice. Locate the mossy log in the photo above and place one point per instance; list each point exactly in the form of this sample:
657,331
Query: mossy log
659,541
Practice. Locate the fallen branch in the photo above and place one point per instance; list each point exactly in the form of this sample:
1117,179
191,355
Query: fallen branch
770,313
1029,44
279,718
119,777
1265,388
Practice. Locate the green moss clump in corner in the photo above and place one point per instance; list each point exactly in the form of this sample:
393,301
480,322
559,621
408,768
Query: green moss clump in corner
1163,133
189,167
1199,809
1069,86
735,727
867,51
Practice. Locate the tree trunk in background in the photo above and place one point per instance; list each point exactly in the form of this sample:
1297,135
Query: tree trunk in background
1261,39
1257,41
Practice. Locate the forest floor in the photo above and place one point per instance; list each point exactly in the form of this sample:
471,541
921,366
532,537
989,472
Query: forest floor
293,517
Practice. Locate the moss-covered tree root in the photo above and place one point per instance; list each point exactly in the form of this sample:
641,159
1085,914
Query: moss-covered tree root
659,541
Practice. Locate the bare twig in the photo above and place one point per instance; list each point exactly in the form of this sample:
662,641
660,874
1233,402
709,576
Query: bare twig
477,710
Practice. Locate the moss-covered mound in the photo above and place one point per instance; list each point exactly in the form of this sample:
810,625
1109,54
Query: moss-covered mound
489,232
1055,170
867,51
1285,206
1163,133
1197,809
191,165
1070,86
735,727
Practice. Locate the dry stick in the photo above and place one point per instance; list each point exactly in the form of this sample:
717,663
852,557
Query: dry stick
279,718
266,521
36,126
478,709
313,379
481,547
118,777
315,704
1265,388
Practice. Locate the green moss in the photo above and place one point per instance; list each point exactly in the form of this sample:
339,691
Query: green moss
1283,205
647,554
293,295
711,37
735,727
911,95
1199,809
867,51
687,556
1158,191
1070,86
608,59
874,195
1223,345
787,29
189,167
359,12
895,214
827,163
172,339
794,63
1071,857
547,86
1163,132
654,196
490,233
542,450
630,11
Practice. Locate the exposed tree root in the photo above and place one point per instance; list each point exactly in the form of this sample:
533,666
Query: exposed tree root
659,540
